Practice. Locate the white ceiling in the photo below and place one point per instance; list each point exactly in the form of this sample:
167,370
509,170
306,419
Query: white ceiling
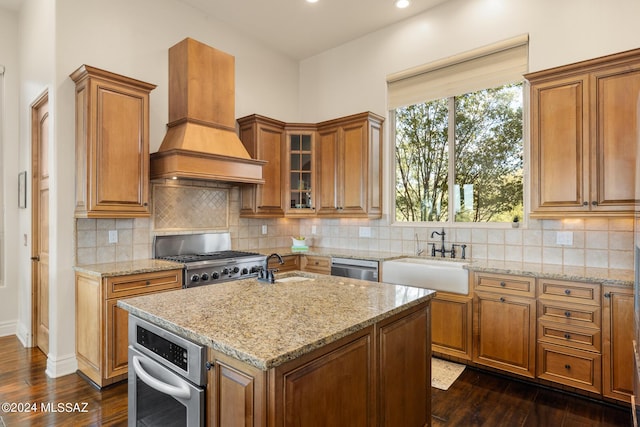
300,29
297,28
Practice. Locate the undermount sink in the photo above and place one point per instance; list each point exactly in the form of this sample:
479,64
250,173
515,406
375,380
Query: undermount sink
439,275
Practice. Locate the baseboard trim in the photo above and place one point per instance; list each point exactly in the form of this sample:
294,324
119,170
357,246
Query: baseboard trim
24,335
8,328
59,367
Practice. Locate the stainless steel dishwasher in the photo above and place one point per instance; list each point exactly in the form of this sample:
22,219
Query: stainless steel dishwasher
355,268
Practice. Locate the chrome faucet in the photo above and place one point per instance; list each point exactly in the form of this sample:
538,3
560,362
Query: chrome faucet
266,274
419,250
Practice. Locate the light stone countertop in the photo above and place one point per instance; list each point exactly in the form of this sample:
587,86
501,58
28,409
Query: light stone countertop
266,325
112,269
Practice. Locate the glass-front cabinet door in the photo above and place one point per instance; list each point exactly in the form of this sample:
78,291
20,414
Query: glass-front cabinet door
301,172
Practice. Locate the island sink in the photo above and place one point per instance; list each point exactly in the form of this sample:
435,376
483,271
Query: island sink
436,274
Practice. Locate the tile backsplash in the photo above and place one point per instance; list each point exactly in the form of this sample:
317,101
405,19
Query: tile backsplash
598,242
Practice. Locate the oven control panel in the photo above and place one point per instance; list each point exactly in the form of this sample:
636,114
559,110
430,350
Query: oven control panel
169,351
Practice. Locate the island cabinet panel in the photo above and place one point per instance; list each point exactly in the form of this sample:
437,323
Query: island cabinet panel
451,320
617,347
404,368
583,137
291,263
264,140
102,327
112,144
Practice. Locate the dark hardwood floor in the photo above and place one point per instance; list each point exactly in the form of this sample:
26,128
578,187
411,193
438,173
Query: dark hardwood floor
23,381
479,398
475,399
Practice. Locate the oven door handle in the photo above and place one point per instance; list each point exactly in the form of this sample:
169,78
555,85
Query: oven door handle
181,392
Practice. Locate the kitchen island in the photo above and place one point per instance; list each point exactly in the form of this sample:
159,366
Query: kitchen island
308,350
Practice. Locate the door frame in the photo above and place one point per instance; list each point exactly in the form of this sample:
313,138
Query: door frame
35,209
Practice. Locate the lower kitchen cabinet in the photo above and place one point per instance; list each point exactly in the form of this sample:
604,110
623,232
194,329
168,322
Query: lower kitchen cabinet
291,263
451,320
316,264
569,366
102,327
617,338
378,376
505,323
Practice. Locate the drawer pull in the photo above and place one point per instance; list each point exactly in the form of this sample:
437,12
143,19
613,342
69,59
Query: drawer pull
502,299
567,366
503,284
567,336
567,313
607,295
148,282
567,291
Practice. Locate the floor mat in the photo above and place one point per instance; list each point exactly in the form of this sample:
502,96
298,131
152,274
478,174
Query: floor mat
444,373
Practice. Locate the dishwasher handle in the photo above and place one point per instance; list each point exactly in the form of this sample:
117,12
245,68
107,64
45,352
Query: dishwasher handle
352,262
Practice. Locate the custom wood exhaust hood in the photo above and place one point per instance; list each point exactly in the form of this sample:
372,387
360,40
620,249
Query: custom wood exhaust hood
201,141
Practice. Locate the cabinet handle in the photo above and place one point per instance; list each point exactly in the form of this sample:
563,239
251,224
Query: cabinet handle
594,203
585,203
148,282
502,299
567,366
209,365
567,336
607,295
503,284
35,258
567,313
567,291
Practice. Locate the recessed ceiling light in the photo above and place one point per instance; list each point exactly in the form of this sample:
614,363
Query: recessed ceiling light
401,4
312,1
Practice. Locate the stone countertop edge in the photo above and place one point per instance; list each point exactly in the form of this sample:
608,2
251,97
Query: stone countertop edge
165,321
124,268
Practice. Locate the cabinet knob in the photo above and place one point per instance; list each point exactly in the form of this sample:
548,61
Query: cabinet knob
567,336
502,299
503,284
208,365
585,203
35,258
607,295
148,282
567,313
567,291
567,366
594,203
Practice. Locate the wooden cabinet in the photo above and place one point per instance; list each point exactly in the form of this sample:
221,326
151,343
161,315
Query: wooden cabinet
264,139
569,336
350,167
617,339
291,263
316,264
378,376
583,137
504,314
451,320
102,327
300,167
112,144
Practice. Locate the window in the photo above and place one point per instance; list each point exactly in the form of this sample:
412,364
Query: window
459,156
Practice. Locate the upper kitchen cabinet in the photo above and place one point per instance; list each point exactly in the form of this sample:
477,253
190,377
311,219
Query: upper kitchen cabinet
583,137
264,139
349,171
300,167
112,144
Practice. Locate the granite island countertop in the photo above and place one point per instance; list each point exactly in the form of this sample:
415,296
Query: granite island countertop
266,325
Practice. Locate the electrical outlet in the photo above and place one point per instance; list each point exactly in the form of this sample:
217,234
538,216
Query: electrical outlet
365,231
113,236
564,238
314,229
264,229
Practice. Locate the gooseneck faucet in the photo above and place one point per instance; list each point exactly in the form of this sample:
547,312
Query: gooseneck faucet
266,274
442,251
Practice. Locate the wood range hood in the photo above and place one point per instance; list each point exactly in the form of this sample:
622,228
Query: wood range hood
201,141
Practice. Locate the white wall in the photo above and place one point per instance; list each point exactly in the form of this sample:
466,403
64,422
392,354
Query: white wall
9,168
351,78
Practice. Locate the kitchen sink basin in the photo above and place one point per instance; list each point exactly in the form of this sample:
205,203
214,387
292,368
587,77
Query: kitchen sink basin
439,275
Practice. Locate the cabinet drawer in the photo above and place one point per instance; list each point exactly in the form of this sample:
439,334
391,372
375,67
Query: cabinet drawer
573,292
512,285
580,338
317,264
567,314
575,368
291,263
136,284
